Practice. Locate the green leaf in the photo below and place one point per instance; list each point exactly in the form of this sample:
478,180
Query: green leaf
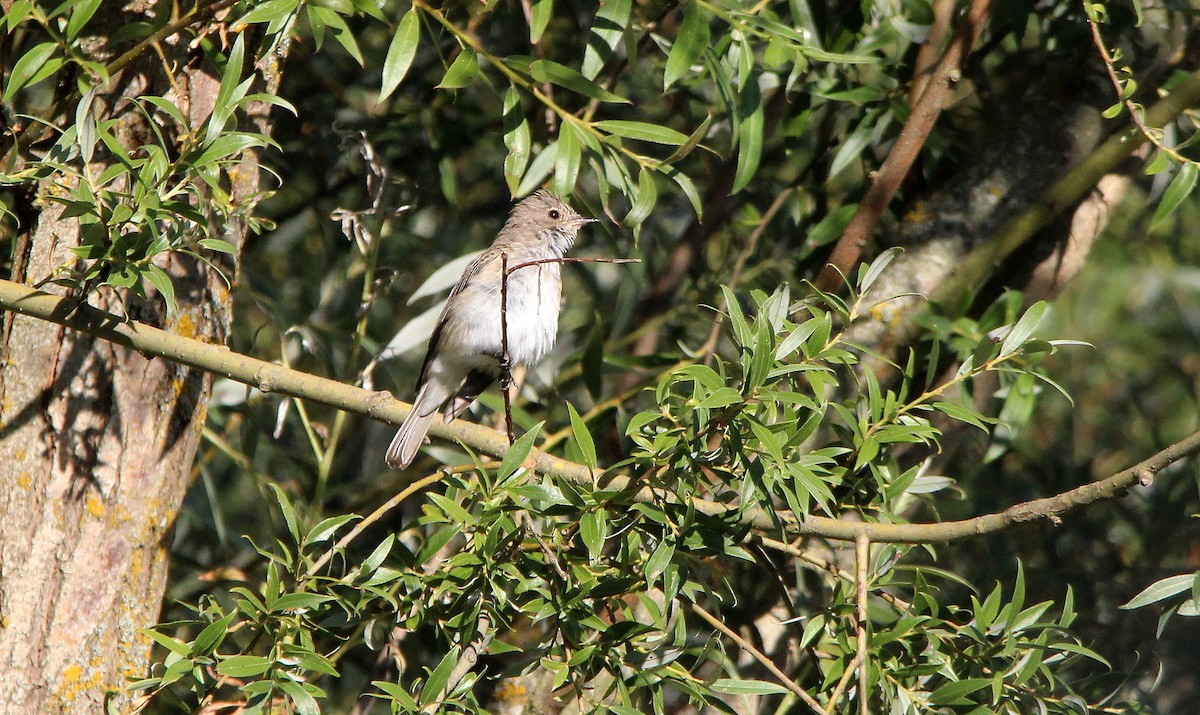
289,514
298,602
538,170
327,528
439,677
1179,189
690,43
606,31
563,76
567,159
641,130
80,14
516,455
32,68
244,666
539,18
957,692
172,644
464,69
737,686
162,283
217,244
647,197
213,634
1160,590
516,138
688,188
593,529
400,54
750,134
583,438
1023,328
271,11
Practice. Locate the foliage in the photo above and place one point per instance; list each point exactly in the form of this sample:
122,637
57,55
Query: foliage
681,119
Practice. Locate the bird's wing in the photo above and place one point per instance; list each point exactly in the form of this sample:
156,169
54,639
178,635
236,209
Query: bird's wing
468,273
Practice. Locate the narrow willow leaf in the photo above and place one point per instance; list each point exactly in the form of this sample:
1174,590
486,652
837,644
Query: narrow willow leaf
1180,188
642,130
692,40
647,196
516,454
689,190
80,14
539,18
1160,590
400,53
464,69
583,437
750,134
563,76
516,139
607,29
1024,327
692,142
567,159
31,68
162,283
542,164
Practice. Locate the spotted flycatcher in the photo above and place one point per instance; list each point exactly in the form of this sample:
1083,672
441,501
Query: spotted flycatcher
465,351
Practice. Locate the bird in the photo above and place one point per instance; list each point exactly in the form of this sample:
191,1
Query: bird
465,352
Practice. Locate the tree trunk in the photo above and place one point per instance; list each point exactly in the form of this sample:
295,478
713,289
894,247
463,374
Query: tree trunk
97,441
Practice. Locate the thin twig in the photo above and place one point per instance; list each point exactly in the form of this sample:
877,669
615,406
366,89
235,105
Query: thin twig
505,365
582,259
761,657
379,512
886,181
862,560
823,565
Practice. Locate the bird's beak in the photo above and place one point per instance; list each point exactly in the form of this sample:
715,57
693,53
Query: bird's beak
581,222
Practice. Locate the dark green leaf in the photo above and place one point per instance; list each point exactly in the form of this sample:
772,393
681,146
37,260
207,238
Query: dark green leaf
750,134
462,70
400,54
641,130
563,76
690,43
31,68
516,455
583,438
1180,188
606,31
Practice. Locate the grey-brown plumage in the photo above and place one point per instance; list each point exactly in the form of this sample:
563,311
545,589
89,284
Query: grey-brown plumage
465,349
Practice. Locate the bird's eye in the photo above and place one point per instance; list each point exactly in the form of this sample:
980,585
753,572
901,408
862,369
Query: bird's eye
554,214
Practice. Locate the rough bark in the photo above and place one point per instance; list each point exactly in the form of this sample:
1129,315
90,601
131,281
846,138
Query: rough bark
97,441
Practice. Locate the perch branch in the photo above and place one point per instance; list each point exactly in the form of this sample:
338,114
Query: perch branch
269,377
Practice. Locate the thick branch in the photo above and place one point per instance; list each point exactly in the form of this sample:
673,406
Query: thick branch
269,377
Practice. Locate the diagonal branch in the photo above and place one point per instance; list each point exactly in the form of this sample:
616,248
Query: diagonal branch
904,152
269,377
762,658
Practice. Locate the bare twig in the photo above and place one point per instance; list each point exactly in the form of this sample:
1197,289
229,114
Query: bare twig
862,561
886,181
505,365
823,565
380,511
761,657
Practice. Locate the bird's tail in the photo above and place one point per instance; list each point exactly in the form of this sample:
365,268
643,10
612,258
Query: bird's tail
411,434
